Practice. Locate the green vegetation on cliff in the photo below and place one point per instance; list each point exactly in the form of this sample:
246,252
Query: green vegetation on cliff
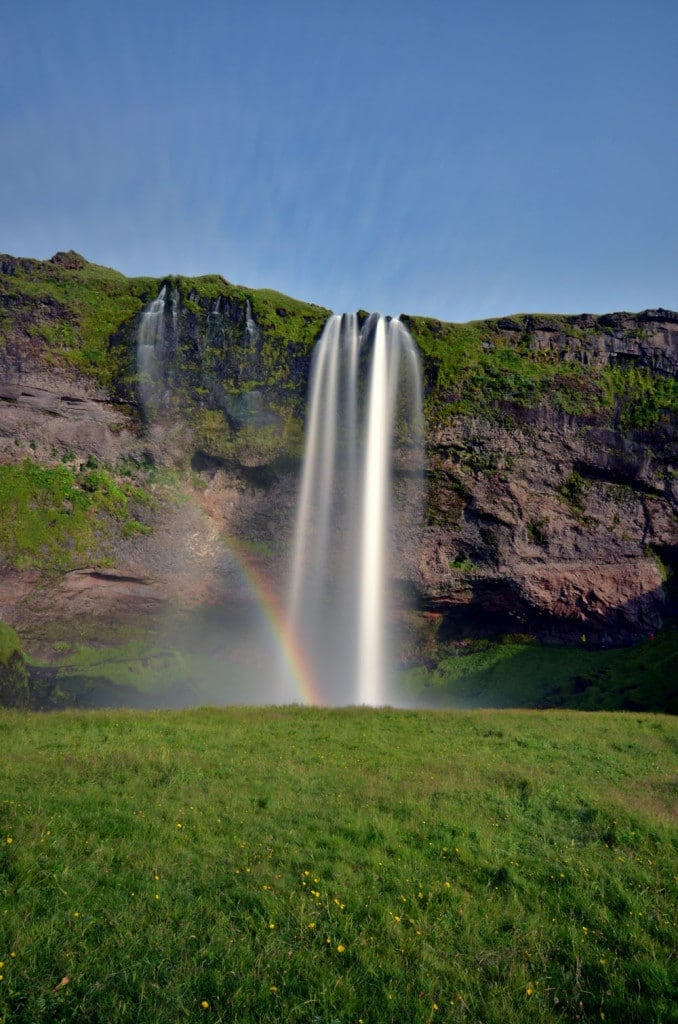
82,315
250,445
288,326
187,659
14,690
59,517
242,355
481,369
301,865
69,310
79,314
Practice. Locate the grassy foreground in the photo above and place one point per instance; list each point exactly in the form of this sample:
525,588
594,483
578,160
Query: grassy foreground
305,865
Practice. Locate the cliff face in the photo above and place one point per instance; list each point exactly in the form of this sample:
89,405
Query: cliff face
551,455
558,515
555,525
648,339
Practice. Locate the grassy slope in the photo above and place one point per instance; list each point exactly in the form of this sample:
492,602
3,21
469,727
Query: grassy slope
303,866
58,517
513,674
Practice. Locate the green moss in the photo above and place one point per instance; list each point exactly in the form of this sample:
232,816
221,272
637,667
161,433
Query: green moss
133,528
572,491
53,518
639,398
106,494
249,445
288,321
481,368
208,286
463,565
9,643
535,531
75,311
14,690
288,327
82,315
477,368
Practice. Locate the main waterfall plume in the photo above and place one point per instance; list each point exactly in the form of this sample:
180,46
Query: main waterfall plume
365,391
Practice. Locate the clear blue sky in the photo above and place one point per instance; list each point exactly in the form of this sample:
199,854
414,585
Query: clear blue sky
454,159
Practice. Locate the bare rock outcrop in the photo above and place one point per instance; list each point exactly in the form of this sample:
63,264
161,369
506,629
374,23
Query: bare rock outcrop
48,414
554,525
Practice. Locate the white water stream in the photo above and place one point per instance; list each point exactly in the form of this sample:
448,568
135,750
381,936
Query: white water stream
364,385
150,351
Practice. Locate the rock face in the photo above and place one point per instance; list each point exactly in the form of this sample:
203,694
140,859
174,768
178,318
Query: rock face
539,519
49,413
554,526
648,339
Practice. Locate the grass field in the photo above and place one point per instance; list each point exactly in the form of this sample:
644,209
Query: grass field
303,865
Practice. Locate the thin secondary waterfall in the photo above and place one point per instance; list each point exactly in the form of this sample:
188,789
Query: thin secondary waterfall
365,385
150,351
251,329
175,299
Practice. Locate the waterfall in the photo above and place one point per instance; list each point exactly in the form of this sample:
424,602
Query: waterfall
151,352
251,329
365,384
174,306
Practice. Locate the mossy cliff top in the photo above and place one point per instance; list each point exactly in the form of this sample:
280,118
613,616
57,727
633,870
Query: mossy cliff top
228,339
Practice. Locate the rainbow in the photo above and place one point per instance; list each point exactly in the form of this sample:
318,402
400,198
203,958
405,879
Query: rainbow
268,600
